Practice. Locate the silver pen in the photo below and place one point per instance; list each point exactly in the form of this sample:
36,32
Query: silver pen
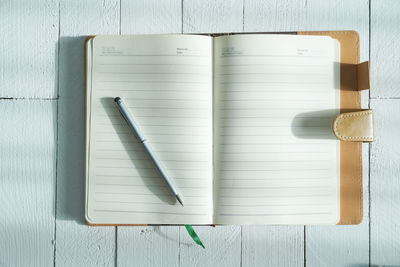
135,129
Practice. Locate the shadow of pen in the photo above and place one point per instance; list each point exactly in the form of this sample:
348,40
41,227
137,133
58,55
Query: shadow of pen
133,148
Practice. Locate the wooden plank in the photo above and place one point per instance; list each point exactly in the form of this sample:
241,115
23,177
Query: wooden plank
149,245
385,55
27,171
78,244
222,246
310,15
385,184
384,153
323,243
273,246
223,243
151,16
212,16
29,33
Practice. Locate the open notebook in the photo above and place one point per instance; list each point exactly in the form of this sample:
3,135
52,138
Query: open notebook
242,124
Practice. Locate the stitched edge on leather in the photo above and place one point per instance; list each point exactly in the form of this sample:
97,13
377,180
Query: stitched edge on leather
340,119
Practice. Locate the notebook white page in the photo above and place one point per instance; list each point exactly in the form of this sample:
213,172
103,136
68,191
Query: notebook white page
276,159
166,81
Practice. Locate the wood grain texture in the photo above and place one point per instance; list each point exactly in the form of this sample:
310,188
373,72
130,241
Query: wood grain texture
212,16
151,16
27,182
76,243
385,184
29,67
308,15
149,245
385,53
28,51
222,246
273,246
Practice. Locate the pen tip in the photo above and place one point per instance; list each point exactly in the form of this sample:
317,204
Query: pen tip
117,99
179,199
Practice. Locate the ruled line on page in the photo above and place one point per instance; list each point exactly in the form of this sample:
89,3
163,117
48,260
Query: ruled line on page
146,159
131,176
154,133
147,203
272,73
296,178
153,73
274,99
277,205
144,194
270,170
152,212
151,81
118,89
270,126
161,186
274,55
169,151
279,135
152,55
275,152
150,168
154,116
287,196
267,82
152,64
264,161
272,187
162,108
163,99
270,64
275,214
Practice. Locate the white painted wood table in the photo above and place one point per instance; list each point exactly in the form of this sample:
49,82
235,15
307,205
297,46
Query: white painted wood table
42,136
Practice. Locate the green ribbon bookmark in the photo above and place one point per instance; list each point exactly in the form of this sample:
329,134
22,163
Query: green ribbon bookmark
193,235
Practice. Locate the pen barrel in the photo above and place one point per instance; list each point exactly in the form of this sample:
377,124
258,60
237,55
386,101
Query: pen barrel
124,112
135,130
160,169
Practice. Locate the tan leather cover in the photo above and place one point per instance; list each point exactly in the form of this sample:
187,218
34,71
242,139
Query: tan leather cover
351,189
355,126
353,77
